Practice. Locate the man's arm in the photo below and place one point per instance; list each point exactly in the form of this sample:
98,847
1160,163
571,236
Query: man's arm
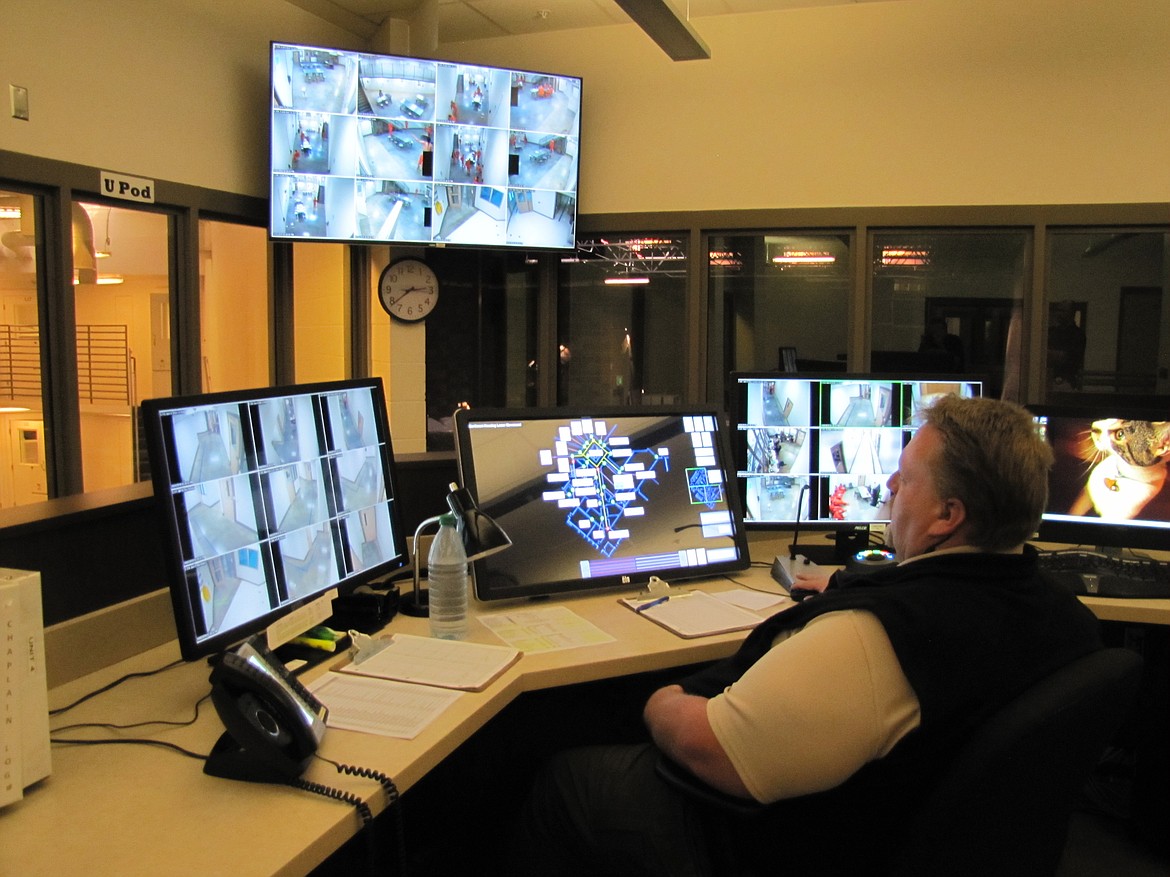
679,727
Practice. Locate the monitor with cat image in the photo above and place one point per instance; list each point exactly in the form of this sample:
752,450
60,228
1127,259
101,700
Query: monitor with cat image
1108,486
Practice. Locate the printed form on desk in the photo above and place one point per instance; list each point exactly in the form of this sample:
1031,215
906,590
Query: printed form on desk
380,706
544,629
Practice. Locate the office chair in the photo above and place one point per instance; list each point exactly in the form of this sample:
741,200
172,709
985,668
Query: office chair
1003,804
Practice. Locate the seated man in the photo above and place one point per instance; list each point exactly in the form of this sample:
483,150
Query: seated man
836,712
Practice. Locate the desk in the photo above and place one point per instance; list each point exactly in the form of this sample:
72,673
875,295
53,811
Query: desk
1105,608
143,810
1132,611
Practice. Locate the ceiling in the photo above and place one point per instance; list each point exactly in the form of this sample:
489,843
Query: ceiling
463,20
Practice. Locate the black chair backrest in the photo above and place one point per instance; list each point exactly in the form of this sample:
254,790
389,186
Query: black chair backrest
1003,806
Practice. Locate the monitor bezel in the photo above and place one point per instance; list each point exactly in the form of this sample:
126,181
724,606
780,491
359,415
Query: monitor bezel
190,645
1096,531
488,591
273,171
739,447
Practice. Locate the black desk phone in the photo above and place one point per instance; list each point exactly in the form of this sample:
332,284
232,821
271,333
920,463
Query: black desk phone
274,724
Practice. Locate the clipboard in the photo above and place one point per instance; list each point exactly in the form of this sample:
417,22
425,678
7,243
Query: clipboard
441,663
692,614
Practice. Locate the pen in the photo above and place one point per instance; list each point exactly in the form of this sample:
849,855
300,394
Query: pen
642,607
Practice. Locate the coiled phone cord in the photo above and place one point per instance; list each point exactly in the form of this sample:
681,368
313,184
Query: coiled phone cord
392,803
350,798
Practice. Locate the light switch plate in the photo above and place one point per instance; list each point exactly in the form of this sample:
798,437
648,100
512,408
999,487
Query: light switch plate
18,96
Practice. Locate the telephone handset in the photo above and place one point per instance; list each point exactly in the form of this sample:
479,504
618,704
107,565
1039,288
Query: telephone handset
274,724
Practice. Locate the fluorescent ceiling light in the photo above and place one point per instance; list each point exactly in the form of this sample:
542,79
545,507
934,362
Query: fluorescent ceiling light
804,257
626,281
103,279
905,255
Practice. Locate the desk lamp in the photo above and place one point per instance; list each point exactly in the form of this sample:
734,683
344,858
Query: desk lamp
482,537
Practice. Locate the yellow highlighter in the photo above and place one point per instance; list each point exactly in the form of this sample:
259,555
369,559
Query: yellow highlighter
325,645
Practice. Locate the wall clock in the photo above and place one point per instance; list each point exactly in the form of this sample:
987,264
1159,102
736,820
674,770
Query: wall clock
408,289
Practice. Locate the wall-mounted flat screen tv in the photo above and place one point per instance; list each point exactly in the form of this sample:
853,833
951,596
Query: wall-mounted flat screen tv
384,148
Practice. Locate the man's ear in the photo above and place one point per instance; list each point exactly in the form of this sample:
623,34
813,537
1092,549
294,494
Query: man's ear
952,516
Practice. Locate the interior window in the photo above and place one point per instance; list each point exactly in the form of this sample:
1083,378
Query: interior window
23,478
951,302
621,321
777,301
122,305
1108,313
234,319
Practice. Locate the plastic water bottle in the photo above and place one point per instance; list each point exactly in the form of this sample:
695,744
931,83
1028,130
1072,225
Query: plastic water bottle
447,581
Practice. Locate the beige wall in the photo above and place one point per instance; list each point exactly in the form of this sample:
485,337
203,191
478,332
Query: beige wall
922,102
167,89
917,102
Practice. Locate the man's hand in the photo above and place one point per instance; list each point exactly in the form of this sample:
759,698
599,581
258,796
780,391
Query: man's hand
810,581
679,727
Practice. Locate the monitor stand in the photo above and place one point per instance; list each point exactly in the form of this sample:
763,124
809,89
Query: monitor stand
845,544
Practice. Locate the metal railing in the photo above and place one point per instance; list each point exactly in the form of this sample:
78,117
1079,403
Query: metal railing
103,363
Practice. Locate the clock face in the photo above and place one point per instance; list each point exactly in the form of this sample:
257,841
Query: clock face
408,289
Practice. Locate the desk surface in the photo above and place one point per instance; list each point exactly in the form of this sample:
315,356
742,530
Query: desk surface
150,811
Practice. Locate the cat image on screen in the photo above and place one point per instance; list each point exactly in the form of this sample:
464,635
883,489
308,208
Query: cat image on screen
1128,470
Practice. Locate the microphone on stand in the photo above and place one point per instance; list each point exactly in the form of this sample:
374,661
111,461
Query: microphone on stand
796,529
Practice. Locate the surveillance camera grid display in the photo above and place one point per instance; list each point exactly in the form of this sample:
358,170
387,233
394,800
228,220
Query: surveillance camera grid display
387,148
587,498
821,450
275,500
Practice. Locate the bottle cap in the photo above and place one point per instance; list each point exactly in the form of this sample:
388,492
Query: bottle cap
449,519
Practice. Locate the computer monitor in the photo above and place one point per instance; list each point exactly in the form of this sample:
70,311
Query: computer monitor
603,498
818,449
391,148
270,498
1108,487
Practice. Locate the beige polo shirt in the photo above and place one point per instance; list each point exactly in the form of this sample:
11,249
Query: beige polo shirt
825,700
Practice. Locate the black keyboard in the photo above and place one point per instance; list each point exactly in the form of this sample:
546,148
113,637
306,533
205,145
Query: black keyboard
1098,575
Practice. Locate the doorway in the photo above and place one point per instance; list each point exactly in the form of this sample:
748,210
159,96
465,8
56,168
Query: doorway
26,450
1138,334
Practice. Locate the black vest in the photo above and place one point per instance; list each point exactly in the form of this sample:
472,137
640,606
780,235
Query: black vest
970,631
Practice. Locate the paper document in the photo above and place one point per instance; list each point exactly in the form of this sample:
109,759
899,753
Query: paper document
693,613
380,706
546,629
757,601
442,662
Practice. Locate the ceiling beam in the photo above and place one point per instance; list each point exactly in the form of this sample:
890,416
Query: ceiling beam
662,23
